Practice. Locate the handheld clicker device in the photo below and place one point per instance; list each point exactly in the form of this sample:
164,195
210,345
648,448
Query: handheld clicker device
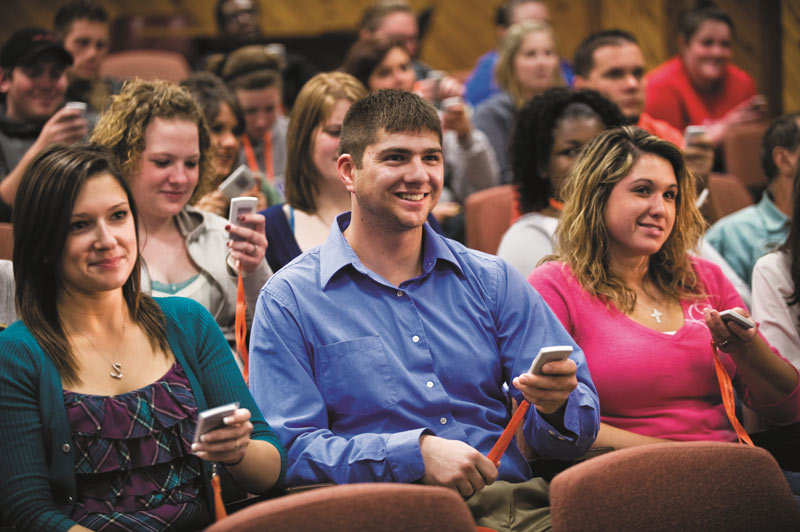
549,354
239,206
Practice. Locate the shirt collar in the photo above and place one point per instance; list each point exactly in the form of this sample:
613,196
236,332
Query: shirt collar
774,220
336,252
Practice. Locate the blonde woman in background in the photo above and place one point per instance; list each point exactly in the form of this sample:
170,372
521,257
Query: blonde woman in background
527,66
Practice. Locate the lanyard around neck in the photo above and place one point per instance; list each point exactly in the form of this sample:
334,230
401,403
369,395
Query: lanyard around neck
250,155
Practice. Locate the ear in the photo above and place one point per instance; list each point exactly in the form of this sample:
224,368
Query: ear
346,167
579,82
5,80
785,160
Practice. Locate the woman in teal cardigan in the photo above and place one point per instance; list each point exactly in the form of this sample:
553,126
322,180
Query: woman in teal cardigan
100,385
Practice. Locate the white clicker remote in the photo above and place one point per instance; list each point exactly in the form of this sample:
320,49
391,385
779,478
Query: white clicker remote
732,315
549,354
239,206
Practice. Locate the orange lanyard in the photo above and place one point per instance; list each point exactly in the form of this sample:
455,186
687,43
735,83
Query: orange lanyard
250,155
508,433
240,327
726,387
556,204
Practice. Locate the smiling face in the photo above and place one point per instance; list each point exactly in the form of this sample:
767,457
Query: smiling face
169,168
707,53
641,209
394,72
87,41
325,141
100,251
569,136
535,63
399,182
35,91
224,141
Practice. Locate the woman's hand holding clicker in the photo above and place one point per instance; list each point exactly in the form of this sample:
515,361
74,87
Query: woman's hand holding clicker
229,443
248,252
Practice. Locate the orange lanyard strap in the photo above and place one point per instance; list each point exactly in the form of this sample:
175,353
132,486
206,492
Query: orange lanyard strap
219,506
726,388
250,155
240,326
556,204
508,433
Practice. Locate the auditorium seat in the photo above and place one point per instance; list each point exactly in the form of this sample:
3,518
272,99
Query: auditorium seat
378,507
726,194
487,216
708,486
145,64
741,148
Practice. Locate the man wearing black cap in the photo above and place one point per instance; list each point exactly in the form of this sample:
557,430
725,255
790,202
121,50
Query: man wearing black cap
33,78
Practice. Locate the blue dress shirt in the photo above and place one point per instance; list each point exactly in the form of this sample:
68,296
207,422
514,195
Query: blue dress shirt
350,370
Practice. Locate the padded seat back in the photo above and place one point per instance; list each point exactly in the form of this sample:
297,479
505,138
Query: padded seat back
708,486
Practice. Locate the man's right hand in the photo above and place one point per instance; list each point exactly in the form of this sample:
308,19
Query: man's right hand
456,465
66,125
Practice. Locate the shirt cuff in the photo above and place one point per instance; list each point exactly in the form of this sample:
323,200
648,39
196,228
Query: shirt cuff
581,421
404,455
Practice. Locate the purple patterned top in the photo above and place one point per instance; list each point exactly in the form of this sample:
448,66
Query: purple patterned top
133,462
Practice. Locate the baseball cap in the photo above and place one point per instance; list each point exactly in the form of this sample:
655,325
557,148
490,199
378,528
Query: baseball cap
24,46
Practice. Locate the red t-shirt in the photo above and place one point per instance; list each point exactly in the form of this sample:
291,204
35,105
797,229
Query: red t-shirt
670,96
660,129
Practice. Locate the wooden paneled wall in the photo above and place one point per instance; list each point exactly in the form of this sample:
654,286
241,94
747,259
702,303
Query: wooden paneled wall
767,43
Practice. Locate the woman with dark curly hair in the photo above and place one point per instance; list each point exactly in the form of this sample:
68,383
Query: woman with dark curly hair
550,131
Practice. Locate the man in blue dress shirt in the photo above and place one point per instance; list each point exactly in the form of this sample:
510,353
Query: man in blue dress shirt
382,355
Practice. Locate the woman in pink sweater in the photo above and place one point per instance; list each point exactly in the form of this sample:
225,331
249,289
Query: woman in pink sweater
644,311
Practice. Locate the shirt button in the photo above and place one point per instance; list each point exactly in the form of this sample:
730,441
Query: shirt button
443,421
399,293
69,499
65,447
429,384
415,338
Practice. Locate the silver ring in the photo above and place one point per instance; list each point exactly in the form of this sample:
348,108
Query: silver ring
255,250
237,444
722,343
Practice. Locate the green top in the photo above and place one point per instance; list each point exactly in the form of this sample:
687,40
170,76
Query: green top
37,487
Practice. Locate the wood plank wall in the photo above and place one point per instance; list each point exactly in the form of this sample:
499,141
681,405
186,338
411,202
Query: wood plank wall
767,43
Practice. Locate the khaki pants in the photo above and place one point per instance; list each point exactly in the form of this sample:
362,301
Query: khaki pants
517,507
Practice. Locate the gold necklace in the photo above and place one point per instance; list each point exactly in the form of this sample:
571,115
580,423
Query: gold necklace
116,367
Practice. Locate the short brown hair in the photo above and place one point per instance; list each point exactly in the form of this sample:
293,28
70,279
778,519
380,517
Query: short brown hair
393,111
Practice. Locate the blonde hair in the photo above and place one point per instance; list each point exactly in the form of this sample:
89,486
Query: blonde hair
581,240
504,71
121,128
311,108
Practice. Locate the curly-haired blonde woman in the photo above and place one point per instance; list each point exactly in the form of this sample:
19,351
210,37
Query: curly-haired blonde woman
643,309
158,133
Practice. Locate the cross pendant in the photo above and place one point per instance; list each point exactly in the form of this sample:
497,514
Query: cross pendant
656,315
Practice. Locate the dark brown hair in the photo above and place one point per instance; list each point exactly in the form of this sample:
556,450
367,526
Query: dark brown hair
42,211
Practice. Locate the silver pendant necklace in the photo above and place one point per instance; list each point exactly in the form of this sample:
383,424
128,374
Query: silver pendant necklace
656,315
116,367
